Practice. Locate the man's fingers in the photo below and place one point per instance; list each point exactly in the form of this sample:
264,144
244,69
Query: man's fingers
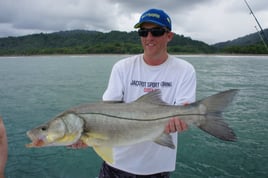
78,145
175,125
172,125
180,125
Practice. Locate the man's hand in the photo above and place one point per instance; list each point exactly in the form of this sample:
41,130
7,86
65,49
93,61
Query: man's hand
3,148
78,145
175,125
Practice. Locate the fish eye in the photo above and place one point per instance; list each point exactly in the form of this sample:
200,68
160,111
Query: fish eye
44,128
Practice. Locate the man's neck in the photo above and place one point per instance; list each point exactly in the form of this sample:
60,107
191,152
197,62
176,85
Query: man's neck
155,60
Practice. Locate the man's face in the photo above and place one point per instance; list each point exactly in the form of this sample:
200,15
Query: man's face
155,45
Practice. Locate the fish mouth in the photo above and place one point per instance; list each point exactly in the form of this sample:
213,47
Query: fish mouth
36,142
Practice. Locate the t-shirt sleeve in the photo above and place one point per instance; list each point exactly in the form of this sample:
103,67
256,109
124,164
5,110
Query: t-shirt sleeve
114,91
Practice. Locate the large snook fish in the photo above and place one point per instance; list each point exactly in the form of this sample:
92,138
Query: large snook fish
105,125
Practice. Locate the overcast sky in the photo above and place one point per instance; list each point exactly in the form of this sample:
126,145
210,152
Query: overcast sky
210,21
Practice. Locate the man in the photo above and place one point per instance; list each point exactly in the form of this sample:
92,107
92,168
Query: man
137,75
3,148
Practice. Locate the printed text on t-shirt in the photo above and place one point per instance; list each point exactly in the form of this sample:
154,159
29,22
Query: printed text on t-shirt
150,86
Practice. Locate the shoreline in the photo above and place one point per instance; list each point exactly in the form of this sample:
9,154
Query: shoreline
174,54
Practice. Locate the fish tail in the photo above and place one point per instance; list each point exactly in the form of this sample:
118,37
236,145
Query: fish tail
214,123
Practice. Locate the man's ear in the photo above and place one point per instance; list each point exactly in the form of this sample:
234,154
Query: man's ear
170,36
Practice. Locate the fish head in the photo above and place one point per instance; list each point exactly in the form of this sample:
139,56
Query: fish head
63,130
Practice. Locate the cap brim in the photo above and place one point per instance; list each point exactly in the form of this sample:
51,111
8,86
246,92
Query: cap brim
138,25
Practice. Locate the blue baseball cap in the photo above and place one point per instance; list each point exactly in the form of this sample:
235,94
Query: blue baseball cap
156,16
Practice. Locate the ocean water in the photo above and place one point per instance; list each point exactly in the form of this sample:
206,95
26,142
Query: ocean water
35,89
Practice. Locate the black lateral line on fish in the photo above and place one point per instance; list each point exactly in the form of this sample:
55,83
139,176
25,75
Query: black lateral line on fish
134,119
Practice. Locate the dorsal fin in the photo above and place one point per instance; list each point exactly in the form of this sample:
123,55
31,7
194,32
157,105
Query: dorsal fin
153,97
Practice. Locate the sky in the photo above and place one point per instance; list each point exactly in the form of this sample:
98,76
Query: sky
210,21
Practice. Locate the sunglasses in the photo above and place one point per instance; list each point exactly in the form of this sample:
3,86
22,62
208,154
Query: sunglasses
143,32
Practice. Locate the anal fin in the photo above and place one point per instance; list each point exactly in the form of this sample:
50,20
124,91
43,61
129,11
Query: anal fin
165,140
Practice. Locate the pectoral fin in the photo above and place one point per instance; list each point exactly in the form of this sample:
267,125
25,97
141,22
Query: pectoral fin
97,136
93,139
165,140
67,139
106,153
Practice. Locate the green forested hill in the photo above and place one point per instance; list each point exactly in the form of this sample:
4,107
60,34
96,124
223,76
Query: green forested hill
89,42
117,42
248,44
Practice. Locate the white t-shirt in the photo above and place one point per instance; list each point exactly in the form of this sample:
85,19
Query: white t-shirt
131,78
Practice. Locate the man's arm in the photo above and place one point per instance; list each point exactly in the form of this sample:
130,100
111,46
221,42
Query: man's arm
3,148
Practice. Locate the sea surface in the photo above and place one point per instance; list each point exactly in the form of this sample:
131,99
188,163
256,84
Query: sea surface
35,89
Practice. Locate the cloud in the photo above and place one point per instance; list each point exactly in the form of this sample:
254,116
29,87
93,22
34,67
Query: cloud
206,20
